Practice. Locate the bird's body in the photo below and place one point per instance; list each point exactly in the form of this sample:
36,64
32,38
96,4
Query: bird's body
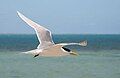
47,47
55,50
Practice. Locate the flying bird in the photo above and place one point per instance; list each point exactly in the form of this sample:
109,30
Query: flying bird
47,47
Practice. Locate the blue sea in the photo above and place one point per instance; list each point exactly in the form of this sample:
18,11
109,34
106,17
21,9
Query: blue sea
100,59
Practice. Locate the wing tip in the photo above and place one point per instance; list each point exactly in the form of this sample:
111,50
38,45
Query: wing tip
83,43
19,14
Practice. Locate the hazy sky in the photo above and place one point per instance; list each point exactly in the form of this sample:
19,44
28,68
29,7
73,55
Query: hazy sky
62,16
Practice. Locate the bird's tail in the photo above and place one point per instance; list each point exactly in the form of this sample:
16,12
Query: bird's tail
36,51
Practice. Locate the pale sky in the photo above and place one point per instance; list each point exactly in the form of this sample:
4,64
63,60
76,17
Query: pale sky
61,16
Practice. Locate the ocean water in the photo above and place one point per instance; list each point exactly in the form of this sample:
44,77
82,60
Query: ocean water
100,59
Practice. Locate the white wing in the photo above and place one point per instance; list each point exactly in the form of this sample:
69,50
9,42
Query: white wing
82,43
43,34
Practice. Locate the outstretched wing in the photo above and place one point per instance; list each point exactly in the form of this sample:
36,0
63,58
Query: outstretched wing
43,34
82,43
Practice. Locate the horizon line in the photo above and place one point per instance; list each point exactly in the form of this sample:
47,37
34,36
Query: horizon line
56,34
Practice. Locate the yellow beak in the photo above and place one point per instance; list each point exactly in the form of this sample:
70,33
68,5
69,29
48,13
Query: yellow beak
74,53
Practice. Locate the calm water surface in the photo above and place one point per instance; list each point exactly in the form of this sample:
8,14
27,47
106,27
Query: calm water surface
100,59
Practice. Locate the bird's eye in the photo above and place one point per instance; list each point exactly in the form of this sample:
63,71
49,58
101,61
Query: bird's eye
66,49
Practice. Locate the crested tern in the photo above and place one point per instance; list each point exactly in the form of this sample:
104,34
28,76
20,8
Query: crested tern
47,47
